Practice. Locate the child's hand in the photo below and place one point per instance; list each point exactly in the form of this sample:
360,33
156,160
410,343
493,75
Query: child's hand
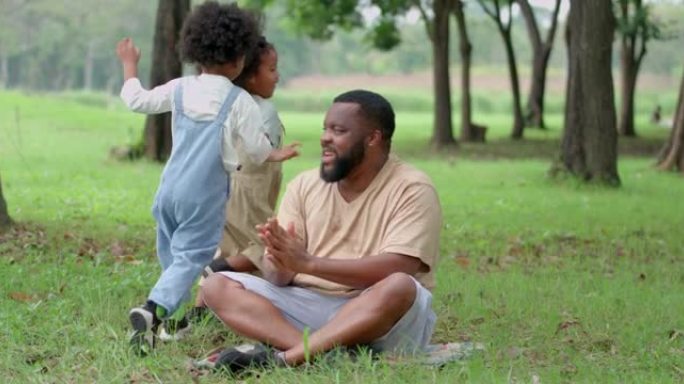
285,153
127,51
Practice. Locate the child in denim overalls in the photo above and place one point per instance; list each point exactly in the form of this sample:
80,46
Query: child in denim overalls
210,116
254,189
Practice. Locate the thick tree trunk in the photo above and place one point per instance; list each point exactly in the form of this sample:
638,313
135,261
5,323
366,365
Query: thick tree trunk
166,65
672,155
469,131
442,134
5,220
589,144
541,52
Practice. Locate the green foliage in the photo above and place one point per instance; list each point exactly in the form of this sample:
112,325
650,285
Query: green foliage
635,19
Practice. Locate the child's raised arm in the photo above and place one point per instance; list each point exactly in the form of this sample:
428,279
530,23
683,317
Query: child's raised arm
129,55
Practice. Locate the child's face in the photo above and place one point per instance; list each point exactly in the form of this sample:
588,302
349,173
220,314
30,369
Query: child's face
264,81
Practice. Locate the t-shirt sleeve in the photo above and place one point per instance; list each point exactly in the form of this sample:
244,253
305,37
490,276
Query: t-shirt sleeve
273,126
156,100
248,127
415,225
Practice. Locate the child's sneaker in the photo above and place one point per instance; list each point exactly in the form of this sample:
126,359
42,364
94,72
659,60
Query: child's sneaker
175,330
144,324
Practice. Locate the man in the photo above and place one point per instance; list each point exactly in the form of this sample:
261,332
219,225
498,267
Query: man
351,255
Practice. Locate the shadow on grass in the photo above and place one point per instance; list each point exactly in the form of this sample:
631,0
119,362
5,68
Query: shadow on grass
533,148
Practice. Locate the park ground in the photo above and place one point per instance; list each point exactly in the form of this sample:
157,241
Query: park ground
562,282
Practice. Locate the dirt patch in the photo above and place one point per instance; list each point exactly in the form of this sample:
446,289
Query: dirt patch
480,81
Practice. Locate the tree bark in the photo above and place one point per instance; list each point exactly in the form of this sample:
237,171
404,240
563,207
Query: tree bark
541,52
166,65
505,32
5,220
4,70
89,66
589,144
672,155
469,132
630,62
442,134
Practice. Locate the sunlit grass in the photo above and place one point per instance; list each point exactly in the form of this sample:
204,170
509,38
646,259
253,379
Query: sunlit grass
559,280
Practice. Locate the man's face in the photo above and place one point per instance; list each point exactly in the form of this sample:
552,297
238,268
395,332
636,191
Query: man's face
343,141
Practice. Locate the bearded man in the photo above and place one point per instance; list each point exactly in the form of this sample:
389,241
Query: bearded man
351,255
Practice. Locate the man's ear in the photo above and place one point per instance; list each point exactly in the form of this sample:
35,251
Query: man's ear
375,138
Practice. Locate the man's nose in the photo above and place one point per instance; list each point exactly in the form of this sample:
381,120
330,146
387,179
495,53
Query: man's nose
325,137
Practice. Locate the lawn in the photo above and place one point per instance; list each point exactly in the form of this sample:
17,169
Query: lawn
560,281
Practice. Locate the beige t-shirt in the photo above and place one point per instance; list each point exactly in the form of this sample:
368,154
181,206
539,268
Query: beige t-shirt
399,213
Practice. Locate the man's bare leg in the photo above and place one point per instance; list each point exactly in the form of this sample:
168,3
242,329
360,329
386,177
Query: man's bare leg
248,313
363,319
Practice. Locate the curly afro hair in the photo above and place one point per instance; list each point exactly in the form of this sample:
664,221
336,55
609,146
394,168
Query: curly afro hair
253,61
215,34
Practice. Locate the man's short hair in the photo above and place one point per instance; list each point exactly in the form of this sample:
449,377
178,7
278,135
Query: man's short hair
374,108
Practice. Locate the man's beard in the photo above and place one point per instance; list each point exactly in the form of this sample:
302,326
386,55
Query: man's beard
344,164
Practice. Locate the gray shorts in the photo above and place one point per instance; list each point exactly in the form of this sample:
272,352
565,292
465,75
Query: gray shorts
307,308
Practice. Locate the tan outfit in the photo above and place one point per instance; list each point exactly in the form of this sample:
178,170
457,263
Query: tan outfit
398,213
254,192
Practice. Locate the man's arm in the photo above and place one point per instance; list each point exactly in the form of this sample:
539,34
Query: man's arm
286,252
410,246
363,273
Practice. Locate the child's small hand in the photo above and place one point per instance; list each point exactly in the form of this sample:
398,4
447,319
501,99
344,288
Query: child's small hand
127,51
286,152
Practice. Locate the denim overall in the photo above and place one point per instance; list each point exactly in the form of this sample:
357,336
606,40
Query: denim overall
190,203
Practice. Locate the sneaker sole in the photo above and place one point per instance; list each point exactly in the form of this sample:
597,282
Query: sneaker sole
142,340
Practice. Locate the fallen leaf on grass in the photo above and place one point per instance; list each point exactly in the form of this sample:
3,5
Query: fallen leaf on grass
605,345
116,249
462,261
21,296
128,259
675,334
567,324
477,320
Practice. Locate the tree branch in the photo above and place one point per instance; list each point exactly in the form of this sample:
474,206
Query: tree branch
551,34
429,25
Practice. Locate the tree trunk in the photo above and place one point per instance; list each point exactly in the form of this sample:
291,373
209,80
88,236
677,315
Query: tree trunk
505,31
630,60
541,52
469,131
5,220
89,66
518,121
4,70
589,144
442,134
166,65
628,76
672,155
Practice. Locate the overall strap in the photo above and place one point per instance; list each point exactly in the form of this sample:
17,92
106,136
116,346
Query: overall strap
228,103
178,98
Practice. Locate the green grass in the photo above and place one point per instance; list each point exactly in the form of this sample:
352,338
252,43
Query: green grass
567,282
